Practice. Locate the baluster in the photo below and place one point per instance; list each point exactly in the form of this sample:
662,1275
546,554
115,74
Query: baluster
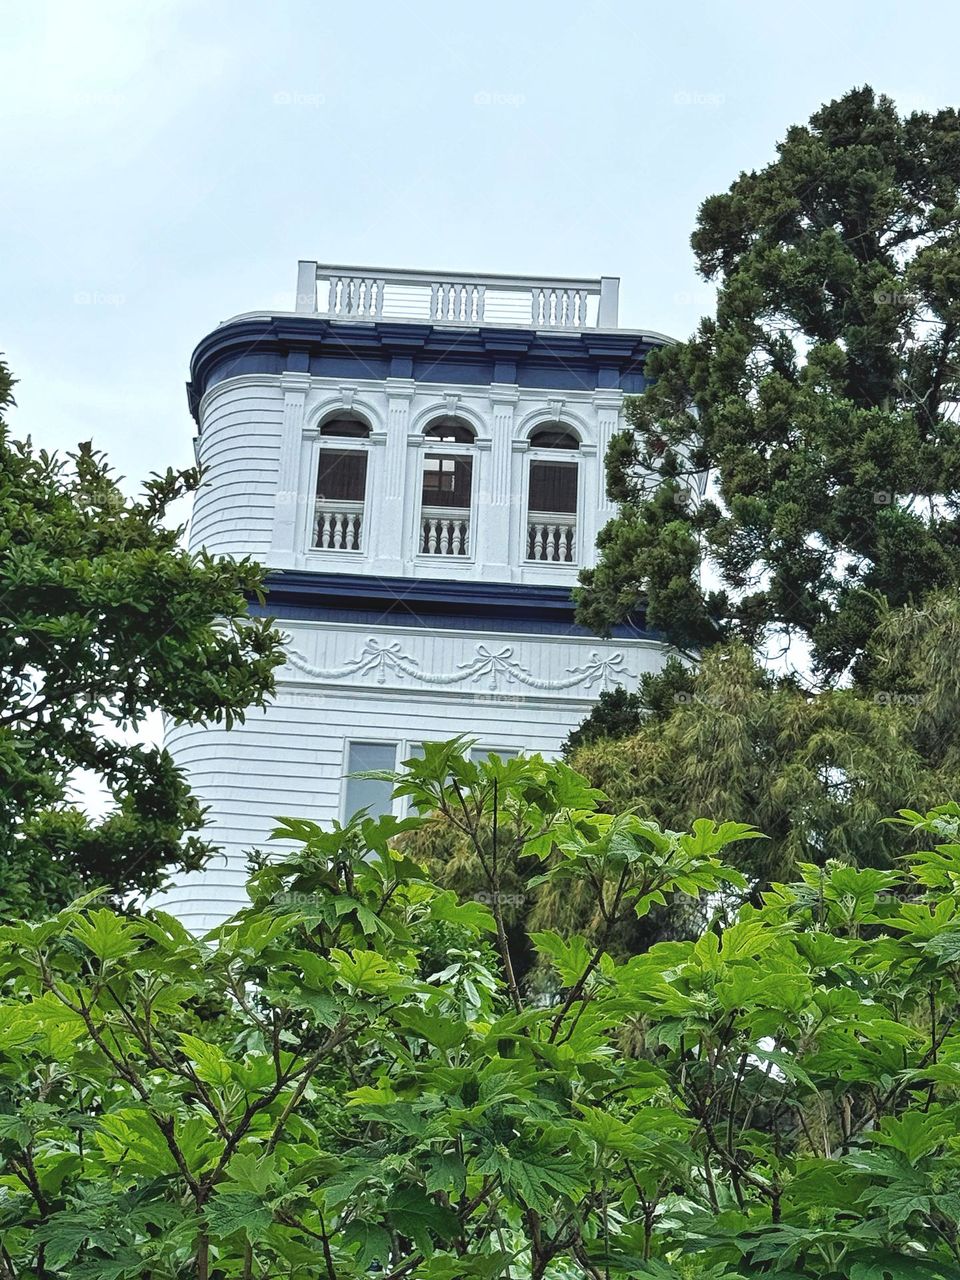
432,537
466,538
481,297
551,542
445,531
538,532
381,285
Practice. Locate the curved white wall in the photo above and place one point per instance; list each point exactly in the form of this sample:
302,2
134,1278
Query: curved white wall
239,452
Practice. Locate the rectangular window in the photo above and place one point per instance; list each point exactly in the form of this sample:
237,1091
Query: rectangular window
342,476
553,487
447,481
369,793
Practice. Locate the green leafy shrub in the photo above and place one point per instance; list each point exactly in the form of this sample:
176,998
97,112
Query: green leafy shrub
298,1095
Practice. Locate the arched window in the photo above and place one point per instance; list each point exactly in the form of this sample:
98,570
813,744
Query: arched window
447,489
341,484
451,430
552,495
553,436
349,428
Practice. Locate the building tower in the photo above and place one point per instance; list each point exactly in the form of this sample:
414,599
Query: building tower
418,458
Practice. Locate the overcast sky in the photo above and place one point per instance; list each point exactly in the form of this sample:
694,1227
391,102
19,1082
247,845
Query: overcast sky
165,164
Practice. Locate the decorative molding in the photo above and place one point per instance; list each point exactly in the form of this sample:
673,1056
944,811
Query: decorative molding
497,667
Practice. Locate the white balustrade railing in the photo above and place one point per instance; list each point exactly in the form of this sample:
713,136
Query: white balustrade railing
364,293
552,537
338,526
444,532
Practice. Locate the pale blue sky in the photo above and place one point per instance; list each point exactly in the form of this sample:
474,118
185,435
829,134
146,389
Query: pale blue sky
165,164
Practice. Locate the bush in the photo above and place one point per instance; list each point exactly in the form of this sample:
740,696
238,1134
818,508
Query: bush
300,1094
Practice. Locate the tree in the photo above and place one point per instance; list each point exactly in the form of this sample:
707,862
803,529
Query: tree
821,398
816,773
303,1094
104,618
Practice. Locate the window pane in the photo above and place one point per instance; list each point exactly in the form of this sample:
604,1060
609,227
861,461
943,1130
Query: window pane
451,429
553,487
351,427
558,437
446,481
342,476
369,793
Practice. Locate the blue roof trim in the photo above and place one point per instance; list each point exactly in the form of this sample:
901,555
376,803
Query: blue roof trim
415,602
584,360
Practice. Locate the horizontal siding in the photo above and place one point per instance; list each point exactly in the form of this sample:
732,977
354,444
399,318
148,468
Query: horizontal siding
288,761
239,450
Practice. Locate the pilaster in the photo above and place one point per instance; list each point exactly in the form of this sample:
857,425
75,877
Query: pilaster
497,502
292,489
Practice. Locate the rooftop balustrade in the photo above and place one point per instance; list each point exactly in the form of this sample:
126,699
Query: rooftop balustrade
465,298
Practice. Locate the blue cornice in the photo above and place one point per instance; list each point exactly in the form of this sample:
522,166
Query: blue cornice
582,360
415,602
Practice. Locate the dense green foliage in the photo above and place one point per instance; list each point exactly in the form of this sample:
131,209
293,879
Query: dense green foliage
789,492
814,772
103,619
821,398
303,1094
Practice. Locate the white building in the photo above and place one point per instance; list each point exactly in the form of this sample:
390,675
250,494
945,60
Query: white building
418,458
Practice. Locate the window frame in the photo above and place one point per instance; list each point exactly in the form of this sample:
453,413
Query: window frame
563,457
430,446
339,444
345,770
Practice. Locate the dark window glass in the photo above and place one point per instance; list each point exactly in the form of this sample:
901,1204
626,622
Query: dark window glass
343,475
553,487
446,481
350,428
555,437
452,430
